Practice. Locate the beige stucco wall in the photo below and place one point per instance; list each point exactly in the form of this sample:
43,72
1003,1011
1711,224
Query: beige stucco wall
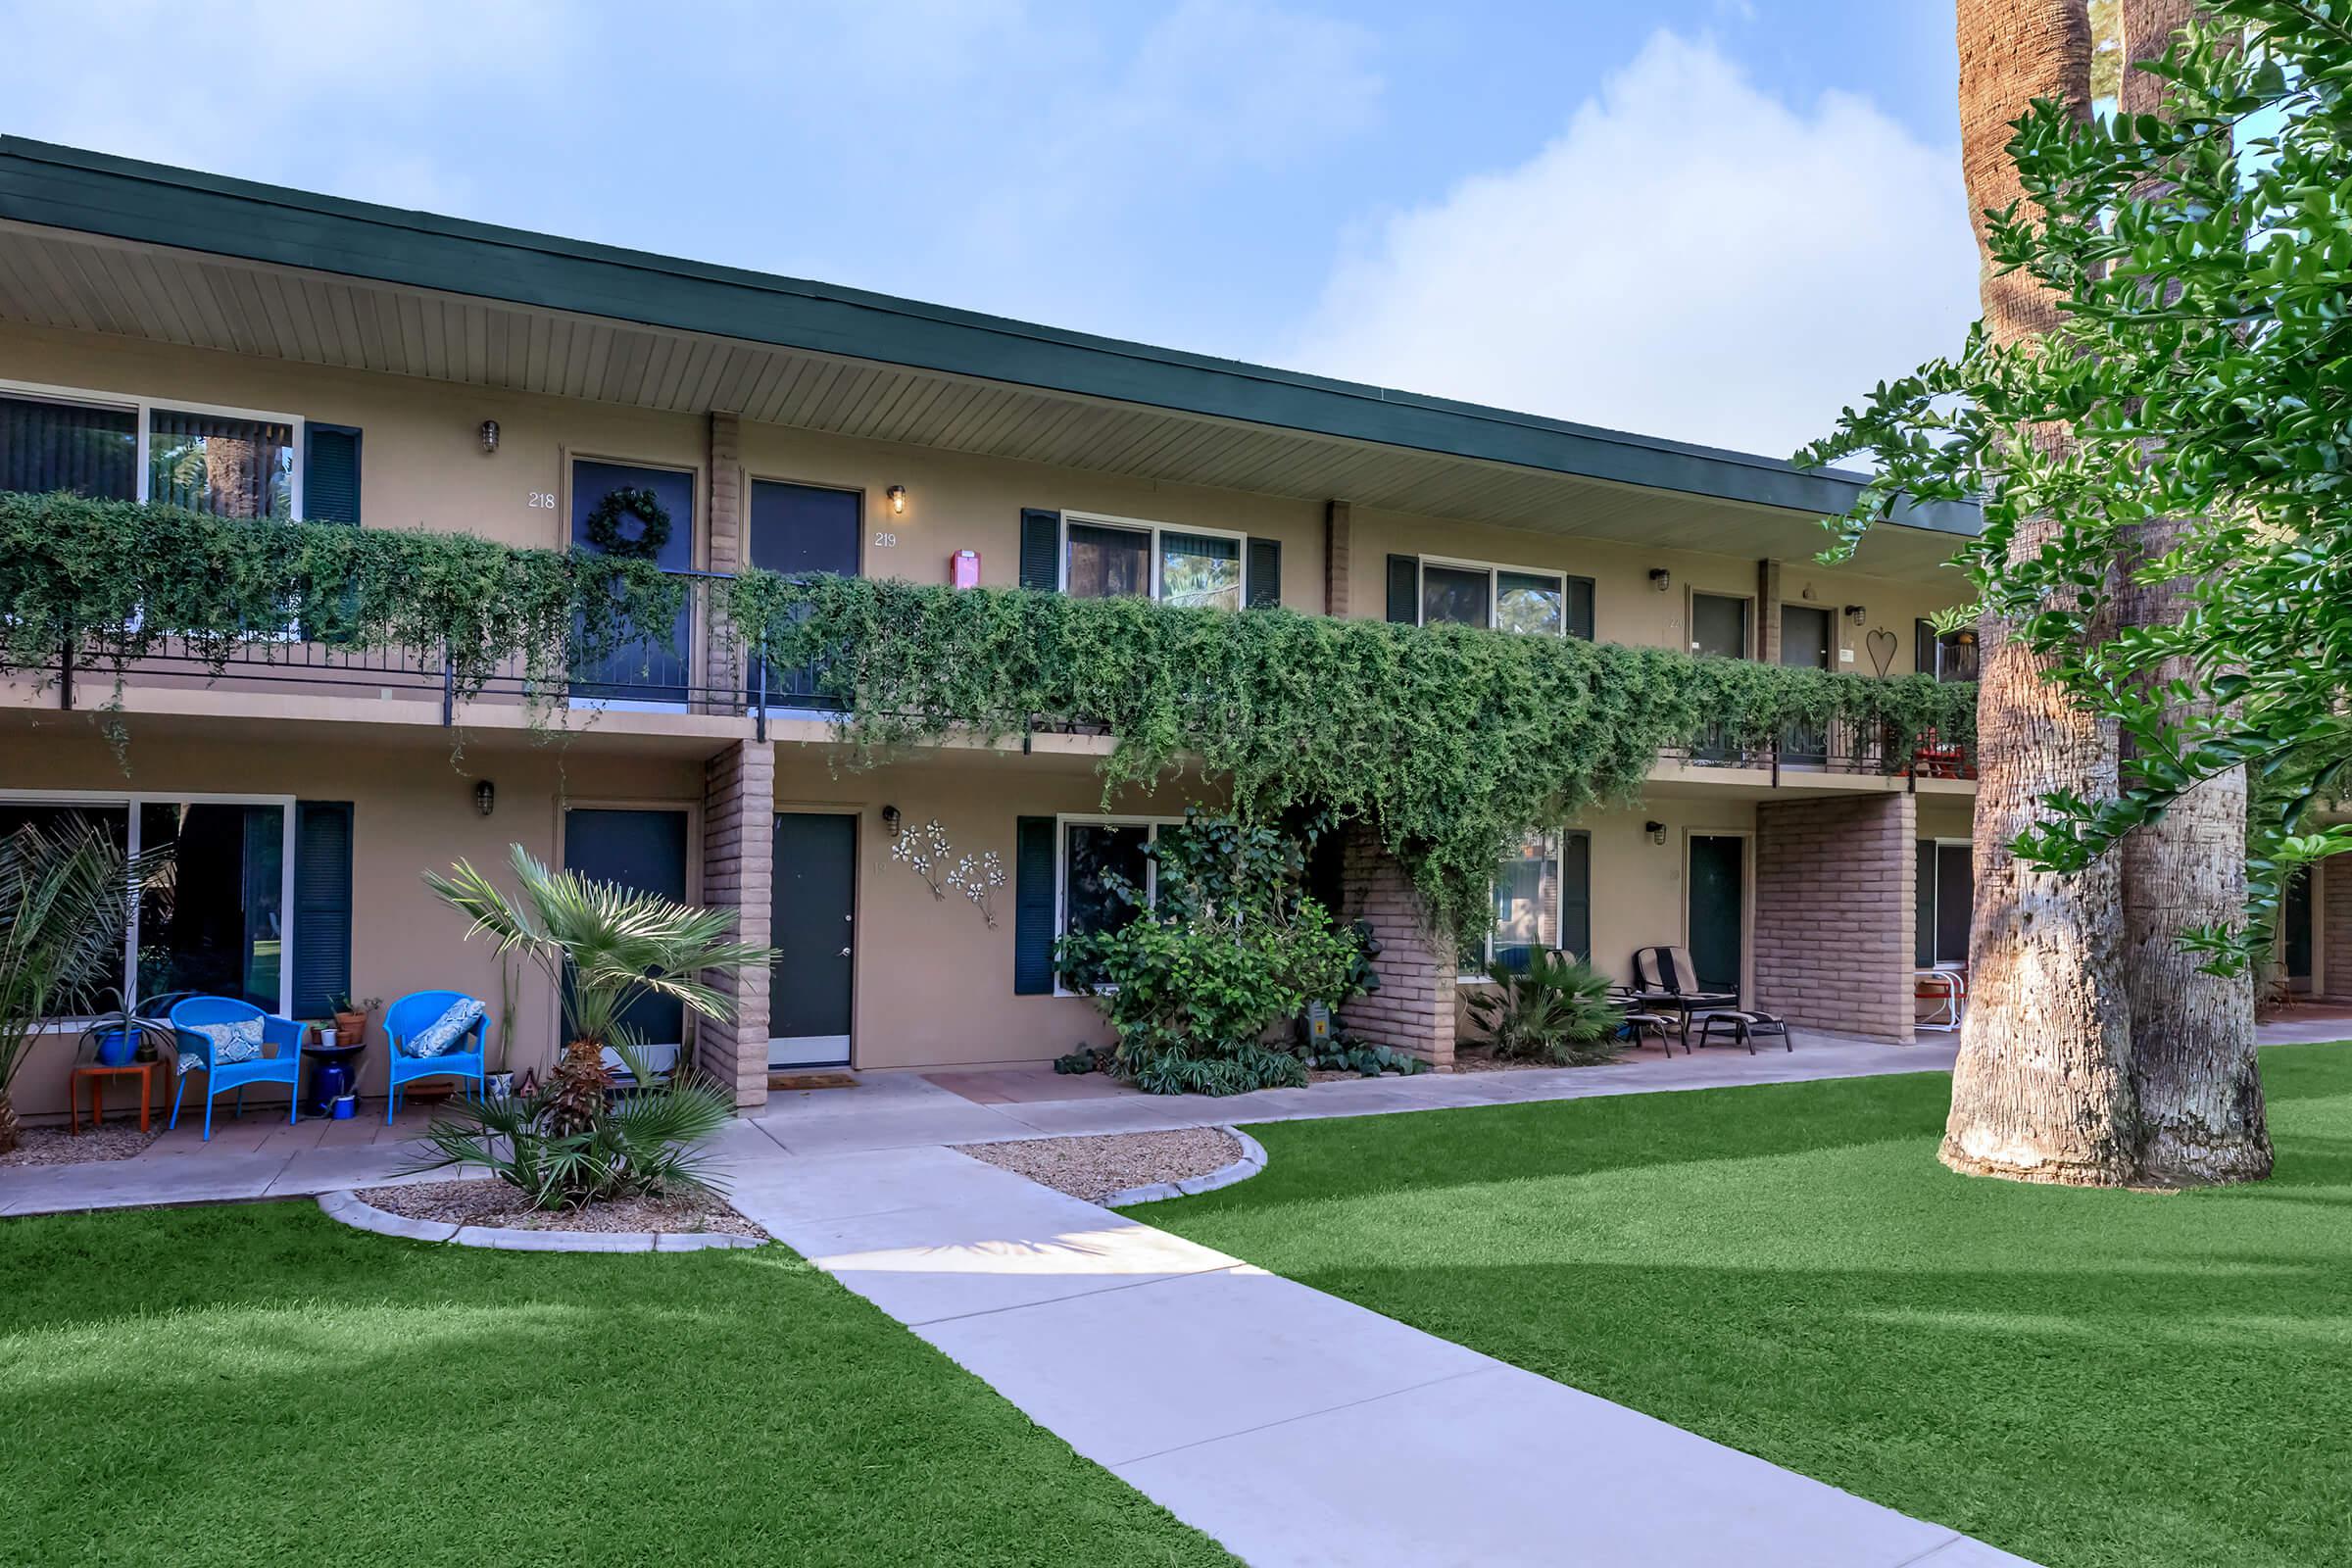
413,807
423,467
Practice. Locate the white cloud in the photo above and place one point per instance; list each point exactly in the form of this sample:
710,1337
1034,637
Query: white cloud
1690,259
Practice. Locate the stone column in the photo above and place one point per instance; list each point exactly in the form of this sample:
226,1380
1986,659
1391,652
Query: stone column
1835,905
1413,1008
723,662
1339,531
739,823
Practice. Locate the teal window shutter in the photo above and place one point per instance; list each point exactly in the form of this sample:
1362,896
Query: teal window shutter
1261,575
1040,550
1405,590
1923,647
1033,906
1576,893
1580,607
330,473
321,928
1923,905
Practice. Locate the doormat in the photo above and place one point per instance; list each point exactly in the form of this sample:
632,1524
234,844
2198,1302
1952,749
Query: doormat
811,1080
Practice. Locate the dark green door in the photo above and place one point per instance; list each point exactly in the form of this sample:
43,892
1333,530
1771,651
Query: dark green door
1805,644
815,889
2295,920
645,852
1718,905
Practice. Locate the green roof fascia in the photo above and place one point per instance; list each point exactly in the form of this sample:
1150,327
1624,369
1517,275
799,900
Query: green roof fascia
69,189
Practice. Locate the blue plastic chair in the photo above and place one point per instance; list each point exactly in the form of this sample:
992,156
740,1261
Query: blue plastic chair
283,1068
411,1016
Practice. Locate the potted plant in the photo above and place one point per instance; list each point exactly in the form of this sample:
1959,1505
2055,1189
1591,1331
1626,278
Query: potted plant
500,1083
351,1018
119,1035
346,1104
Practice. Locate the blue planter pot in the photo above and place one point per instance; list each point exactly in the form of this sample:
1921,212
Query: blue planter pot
117,1047
345,1108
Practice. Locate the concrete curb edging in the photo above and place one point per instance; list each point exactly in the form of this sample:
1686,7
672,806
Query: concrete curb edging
347,1205
1252,1161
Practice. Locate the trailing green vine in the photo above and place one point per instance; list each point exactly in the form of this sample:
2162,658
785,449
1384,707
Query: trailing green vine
126,581
1450,742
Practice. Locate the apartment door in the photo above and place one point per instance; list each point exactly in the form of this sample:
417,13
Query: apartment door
644,851
1805,644
1718,630
2294,927
650,668
1718,913
801,529
815,892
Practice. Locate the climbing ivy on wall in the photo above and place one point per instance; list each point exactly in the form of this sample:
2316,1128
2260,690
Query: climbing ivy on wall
1450,742
129,582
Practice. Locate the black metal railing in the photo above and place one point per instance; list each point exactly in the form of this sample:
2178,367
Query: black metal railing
1840,746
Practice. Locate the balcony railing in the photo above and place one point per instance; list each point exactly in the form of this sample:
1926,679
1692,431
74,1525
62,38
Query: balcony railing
698,663
1844,746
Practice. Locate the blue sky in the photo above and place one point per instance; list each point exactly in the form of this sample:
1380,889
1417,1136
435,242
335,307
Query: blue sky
1709,218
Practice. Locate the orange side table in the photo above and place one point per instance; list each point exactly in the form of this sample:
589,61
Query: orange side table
96,1074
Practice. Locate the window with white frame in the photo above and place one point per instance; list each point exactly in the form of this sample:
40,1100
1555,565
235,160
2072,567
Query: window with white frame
216,920
1109,558
229,463
1515,599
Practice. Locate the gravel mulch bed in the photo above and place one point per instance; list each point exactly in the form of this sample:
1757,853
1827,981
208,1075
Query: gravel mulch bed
495,1203
54,1145
1093,1168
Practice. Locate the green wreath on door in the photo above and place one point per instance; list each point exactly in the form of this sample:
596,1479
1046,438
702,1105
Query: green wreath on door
605,526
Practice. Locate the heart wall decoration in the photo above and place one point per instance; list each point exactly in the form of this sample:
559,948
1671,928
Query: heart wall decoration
1882,644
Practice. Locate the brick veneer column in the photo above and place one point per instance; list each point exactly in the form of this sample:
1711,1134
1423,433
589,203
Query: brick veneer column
1413,1008
739,824
727,555
1338,538
2333,901
1768,611
1836,883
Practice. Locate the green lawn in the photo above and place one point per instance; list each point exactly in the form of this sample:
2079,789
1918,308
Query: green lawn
259,1384
2079,1376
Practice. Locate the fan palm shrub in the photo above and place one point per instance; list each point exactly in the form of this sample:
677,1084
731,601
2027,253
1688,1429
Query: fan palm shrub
604,948
64,894
1556,1011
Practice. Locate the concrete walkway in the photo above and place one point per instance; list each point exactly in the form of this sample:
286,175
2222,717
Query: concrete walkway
1292,1426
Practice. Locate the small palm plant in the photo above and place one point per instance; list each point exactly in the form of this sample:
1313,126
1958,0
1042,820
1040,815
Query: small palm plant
604,948
64,894
1558,1010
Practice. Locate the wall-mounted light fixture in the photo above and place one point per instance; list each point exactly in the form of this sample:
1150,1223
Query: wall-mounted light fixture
1661,579
485,796
890,819
1856,614
489,436
1656,831
898,497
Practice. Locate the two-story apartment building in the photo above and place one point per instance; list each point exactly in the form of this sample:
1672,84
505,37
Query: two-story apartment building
252,350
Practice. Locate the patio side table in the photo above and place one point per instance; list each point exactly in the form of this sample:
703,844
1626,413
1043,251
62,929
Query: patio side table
95,1074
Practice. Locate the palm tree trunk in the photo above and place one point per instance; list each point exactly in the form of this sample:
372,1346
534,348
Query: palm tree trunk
2042,1088
2193,1069
11,1130
576,1088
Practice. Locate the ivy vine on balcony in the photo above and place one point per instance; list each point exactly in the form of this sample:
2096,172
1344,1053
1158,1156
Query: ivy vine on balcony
125,582
1450,742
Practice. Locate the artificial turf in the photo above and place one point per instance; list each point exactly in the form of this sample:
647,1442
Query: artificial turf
261,1385
2083,1378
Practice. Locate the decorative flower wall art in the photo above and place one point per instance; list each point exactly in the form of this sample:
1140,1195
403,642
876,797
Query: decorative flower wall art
976,877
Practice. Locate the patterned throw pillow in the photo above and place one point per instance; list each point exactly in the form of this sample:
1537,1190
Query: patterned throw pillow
232,1043
436,1038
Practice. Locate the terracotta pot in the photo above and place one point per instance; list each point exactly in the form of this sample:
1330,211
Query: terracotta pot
351,1028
